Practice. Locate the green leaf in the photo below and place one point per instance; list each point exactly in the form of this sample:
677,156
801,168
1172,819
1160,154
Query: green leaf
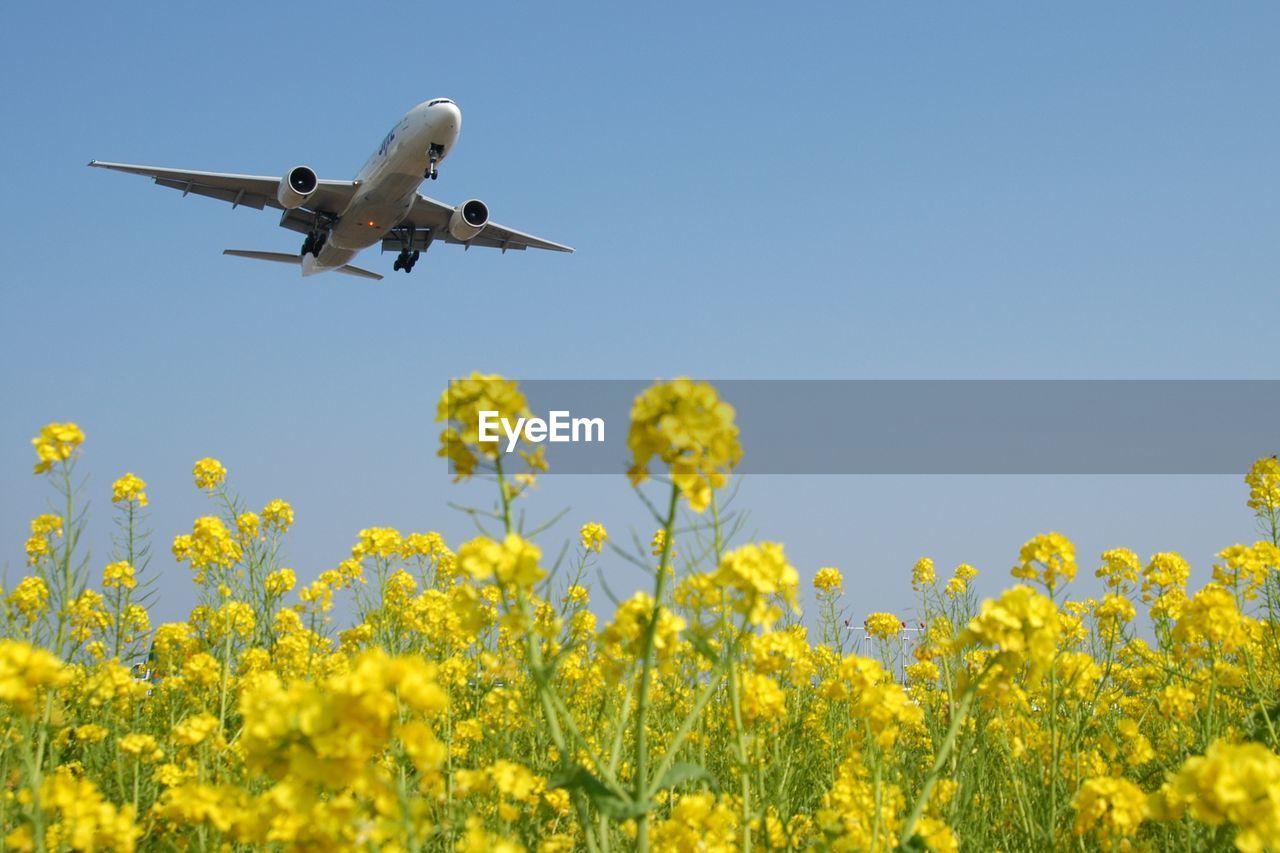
606,800
914,845
685,771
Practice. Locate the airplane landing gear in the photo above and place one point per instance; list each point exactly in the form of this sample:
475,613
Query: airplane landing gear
409,237
433,155
313,244
315,240
406,260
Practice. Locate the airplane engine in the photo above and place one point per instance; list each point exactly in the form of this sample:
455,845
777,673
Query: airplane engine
468,220
296,187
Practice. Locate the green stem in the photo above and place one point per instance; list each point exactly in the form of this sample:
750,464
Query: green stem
944,752
646,674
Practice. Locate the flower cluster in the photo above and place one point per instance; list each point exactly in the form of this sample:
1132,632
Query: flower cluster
459,409
56,443
208,474
129,489
759,580
687,426
1049,558
593,536
417,697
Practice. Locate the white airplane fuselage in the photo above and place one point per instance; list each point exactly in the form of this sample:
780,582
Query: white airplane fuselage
388,182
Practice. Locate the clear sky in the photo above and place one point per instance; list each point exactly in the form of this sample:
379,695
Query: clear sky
858,190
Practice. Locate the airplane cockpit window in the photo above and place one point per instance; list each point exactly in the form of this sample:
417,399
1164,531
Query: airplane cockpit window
439,101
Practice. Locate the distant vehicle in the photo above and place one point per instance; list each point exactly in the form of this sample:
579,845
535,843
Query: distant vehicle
382,205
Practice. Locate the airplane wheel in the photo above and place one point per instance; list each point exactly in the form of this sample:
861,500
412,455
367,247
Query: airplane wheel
416,253
396,265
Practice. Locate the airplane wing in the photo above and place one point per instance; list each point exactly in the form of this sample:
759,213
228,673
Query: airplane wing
256,191
432,214
295,260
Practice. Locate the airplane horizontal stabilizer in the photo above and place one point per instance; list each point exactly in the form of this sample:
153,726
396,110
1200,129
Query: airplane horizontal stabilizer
296,260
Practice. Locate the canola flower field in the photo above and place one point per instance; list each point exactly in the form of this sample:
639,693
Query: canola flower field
474,702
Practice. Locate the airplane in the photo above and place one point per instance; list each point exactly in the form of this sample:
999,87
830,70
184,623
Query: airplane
382,205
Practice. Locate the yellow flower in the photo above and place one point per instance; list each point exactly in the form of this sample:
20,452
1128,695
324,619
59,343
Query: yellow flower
1137,748
24,671
1237,784
1247,569
85,819
425,751
762,698
248,524
137,744
1111,807
624,633
1165,570
958,584
828,580
760,574
1120,568
882,626
430,545
459,409
129,489
195,729
208,544
922,573
278,514
37,547
90,733
42,527
88,614
56,443
686,425
208,474
1113,612
1023,627
30,597
513,561
383,542
143,746
279,582
856,814
936,835
1176,702
119,575
479,840
658,542
698,822
1263,481
923,672
1047,558
593,536
1212,616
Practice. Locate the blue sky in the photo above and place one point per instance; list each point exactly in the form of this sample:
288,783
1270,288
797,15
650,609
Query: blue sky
839,190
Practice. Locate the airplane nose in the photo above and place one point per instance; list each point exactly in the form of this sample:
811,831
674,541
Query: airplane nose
450,115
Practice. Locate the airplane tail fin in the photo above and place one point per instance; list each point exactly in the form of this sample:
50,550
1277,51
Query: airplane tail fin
296,260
